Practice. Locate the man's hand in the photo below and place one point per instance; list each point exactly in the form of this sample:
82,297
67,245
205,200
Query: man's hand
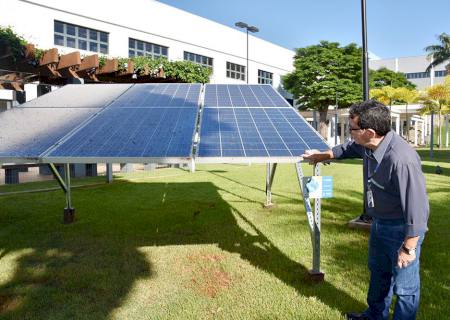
314,156
404,259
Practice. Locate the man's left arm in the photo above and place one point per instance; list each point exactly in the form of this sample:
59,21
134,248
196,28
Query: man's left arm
414,203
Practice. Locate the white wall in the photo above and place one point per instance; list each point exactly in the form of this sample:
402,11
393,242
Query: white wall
149,21
411,65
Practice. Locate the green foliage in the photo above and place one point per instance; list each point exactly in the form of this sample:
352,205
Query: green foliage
439,52
180,71
187,71
9,38
385,77
38,53
102,61
324,73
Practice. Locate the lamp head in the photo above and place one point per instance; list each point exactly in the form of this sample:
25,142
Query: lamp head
241,24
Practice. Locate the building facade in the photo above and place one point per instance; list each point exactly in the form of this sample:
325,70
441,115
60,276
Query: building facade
414,69
147,27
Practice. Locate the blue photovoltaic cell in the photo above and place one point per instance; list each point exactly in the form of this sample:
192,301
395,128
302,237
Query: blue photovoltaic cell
28,132
150,95
251,96
134,132
256,132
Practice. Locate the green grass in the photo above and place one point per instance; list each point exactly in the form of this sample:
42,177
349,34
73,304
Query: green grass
177,245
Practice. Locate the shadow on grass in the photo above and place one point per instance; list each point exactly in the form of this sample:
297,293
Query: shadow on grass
87,269
438,155
432,170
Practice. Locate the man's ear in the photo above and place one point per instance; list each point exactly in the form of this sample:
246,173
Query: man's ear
371,133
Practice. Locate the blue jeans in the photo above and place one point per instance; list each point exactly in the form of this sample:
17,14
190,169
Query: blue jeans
386,278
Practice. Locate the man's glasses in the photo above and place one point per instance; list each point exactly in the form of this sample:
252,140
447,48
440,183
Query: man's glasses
350,129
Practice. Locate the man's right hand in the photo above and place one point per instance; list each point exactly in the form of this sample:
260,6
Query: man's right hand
314,156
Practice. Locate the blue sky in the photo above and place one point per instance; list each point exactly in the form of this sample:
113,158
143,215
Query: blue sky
396,28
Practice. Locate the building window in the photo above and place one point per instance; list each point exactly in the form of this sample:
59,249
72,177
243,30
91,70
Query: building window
141,48
265,77
199,59
417,75
73,36
235,71
440,73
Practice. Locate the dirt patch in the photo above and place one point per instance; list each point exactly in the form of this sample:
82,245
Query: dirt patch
9,303
208,276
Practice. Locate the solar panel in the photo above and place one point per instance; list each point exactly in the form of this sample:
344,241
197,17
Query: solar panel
133,133
156,123
251,96
160,95
258,124
28,132
79,96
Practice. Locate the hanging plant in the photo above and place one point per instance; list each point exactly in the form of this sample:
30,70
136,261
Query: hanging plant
15,43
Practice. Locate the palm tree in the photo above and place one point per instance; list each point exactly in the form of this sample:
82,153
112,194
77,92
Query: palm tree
436,97
439,52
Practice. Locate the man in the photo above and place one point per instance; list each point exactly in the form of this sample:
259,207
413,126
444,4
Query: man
396,199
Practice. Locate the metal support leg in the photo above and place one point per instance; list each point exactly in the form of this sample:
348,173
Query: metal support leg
269,180
313,222
192,166
109,173
69,212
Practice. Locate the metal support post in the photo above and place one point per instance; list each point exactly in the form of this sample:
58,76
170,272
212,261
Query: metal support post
269,180
109,173
69,212
192,165
313,222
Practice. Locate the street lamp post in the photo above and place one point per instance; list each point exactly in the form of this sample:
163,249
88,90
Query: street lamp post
248,28
365,57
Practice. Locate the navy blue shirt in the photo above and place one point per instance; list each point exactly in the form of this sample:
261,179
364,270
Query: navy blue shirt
397,181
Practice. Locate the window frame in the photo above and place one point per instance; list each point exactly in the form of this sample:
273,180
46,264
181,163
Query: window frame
148,49
265,77
235,71
80,37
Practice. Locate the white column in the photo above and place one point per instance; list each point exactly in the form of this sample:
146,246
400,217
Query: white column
424,127
446,130
416,126
342,131
397,124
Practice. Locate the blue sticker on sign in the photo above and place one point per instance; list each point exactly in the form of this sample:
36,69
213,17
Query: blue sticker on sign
318,187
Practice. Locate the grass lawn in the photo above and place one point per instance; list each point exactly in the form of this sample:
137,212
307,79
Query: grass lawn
177,245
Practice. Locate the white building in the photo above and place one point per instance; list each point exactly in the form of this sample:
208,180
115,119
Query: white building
414,69
124,29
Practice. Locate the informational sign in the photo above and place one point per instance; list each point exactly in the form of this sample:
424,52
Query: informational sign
318,186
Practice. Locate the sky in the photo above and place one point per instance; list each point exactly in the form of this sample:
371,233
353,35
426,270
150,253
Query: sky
395,28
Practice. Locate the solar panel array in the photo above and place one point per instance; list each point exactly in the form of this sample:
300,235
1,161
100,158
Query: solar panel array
156,123
147,121
241,121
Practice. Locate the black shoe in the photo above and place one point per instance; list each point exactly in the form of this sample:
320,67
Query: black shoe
357,316
364,218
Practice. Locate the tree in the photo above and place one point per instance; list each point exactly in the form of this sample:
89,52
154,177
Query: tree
385,77
323,74
386,95
439,52
436,98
